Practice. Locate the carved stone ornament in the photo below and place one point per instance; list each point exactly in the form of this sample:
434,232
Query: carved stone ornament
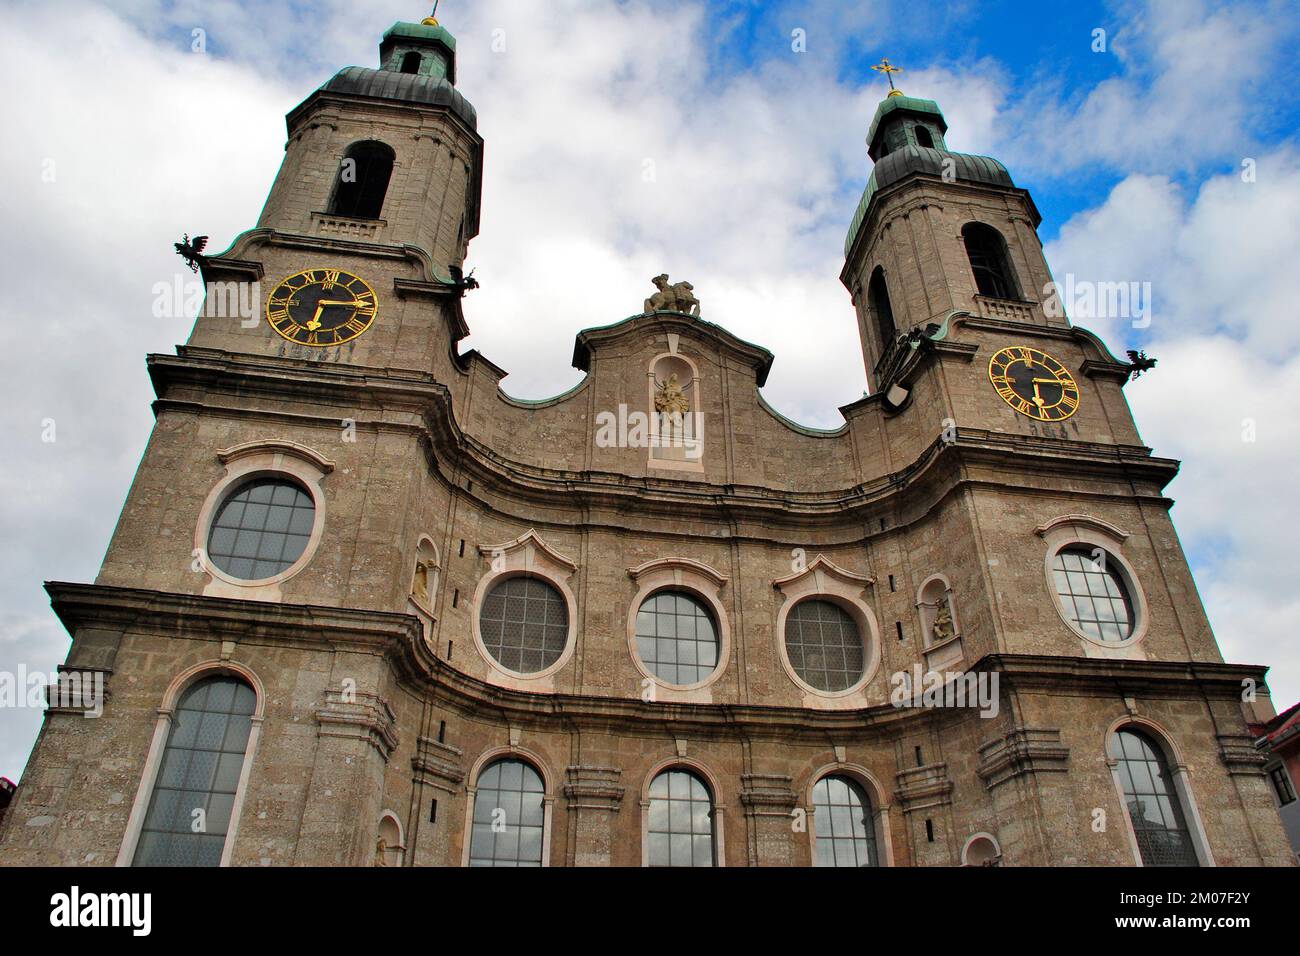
670,398
679,297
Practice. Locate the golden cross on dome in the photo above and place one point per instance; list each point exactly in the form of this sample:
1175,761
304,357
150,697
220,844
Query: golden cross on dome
885,67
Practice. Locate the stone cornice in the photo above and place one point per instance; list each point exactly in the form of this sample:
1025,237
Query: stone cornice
1021,751
922,788
437,764
399,637
593,788
212,373
767,795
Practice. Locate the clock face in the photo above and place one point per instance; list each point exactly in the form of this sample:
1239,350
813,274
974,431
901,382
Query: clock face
322,307
1034,384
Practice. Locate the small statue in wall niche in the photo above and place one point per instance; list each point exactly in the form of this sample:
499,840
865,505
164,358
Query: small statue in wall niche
381,852
670,398
672,298
420,587
942,628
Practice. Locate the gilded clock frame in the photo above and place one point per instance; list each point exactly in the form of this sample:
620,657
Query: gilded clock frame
304,274
1063,378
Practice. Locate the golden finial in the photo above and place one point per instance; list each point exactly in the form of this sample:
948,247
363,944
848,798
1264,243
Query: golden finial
432,19
885,67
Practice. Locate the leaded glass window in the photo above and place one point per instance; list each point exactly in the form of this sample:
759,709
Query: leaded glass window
524,624
676,638
680,830
846,834
194,794
261,529
1092,594
987,251
1153,805
509,816
824,646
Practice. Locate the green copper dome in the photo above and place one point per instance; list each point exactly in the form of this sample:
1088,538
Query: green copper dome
421,31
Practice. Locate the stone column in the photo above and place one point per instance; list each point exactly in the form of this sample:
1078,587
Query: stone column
595,797
769,803
438,775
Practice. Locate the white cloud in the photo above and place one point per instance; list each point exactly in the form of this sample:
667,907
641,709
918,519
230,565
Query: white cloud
1222,268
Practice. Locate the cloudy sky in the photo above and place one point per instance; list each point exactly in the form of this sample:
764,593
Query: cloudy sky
1169,157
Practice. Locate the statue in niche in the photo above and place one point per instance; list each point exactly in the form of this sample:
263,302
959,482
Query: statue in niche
381,852
942,629
420,588
672,298
671,399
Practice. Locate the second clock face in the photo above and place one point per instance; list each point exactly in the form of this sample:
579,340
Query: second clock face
322,307
1034,384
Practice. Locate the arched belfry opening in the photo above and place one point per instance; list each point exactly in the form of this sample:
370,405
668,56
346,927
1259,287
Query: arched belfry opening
411,62
923,137
989,262
881,310
363,180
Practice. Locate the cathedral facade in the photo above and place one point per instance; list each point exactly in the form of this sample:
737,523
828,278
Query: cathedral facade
363,608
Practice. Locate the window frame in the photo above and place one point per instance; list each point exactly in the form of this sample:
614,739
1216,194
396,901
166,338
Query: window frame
372,145
880,807
251,461
1085,531
1160,738
699,581
487,759
711,785
526,556
825,581
158,747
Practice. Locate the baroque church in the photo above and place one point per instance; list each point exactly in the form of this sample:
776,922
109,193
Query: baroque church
363,608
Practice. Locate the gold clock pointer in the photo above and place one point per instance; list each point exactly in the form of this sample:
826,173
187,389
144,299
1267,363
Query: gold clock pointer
314,324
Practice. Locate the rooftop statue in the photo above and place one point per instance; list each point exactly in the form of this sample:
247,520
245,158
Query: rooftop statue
672,298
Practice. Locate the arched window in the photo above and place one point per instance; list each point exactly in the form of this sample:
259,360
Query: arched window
1152,801
524,624
194,793
509,816
680,828
261,529
676,638
923,137
824,646
1092,594
987,251
411,62
878,302
846,832
363,181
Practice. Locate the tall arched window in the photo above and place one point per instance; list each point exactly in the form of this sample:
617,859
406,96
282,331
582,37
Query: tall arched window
881,310
680,829
194,794
846,832
1151,799
987,251
509,816
363,181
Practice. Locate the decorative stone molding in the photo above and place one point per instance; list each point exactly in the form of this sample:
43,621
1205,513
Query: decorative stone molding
437,764
824,580
81,691
1085,521
593,788
1021,751
368,718
767,795
1238,753
921,788
269,457
527,556
702,582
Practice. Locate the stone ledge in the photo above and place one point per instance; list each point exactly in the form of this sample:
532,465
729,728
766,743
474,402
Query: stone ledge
1022,751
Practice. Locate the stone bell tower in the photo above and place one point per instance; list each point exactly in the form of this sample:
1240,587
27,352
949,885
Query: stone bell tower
936,231
368,220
